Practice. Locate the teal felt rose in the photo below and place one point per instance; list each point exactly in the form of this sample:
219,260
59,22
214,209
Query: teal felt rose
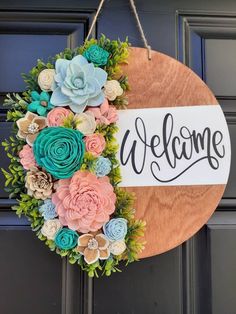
78,84
66,239
96,55
115,229
59,151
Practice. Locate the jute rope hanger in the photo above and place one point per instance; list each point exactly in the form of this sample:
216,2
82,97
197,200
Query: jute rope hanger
133,6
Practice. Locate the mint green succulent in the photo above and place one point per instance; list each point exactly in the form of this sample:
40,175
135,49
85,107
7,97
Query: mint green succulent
66,239
97,55
78,84
41,103
59,151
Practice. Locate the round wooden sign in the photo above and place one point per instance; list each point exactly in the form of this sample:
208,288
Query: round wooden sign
172,213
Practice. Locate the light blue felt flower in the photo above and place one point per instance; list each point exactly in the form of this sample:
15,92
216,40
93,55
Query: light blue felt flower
40,103
115,229
78,84
47,209
102,166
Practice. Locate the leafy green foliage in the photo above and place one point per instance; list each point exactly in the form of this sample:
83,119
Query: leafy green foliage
17,107
15,101
88,162
28,206
136,229
124,204
15,175
124,208
70,122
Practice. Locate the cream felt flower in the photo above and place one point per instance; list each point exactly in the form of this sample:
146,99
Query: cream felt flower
30,126
46,79
85,122
117,247
93,247
112,89
50,228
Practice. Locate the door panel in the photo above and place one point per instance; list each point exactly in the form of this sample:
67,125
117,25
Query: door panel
198,277
22,273
222,230
150,283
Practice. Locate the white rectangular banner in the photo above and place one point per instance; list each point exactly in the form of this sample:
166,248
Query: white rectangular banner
187,145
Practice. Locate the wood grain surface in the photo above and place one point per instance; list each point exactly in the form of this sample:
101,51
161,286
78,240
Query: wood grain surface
173,214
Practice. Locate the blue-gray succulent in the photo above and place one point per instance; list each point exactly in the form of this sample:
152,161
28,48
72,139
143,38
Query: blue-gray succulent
78,84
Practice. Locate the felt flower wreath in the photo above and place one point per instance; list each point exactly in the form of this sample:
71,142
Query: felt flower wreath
63,168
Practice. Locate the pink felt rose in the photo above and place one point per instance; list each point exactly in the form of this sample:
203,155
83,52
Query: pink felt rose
95,144
84,202
27,157
105,114
57,115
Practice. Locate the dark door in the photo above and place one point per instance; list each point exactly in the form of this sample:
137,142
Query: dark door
198,277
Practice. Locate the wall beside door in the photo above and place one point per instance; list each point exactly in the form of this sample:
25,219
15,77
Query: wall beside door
197,277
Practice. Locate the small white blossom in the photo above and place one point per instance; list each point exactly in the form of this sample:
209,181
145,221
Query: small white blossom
50,228
46,79
112,89
86,122
117,247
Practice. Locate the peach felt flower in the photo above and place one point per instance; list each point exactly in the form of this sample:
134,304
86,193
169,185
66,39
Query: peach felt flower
95,144
84,202
93,247
27,157
57,115
105,114
30,126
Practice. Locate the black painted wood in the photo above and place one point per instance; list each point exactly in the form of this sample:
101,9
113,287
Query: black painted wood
30,276
195,278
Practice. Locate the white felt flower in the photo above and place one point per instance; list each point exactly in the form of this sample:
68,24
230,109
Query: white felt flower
86,122
50,228
46,79
112,89
118,247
